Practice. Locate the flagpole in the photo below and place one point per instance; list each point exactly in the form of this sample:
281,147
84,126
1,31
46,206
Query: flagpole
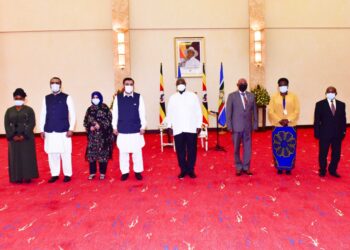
221,114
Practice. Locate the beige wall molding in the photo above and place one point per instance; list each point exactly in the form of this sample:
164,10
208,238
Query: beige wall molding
256,23
120,23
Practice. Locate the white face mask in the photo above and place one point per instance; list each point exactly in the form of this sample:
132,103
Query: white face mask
330,96
181,87
95,101
129,89
283,89
19,102
55,87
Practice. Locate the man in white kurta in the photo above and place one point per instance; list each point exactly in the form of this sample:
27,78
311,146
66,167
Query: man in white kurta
129,123
184,116
57,121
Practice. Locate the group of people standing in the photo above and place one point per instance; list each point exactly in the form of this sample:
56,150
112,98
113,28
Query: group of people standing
283,111
127,122
57,122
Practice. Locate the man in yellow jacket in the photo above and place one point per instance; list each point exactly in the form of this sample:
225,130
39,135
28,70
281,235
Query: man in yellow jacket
284,108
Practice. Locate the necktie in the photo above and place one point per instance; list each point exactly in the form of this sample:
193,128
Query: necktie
332,107
245,100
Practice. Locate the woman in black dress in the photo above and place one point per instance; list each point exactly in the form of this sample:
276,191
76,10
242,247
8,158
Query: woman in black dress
19,125
98,125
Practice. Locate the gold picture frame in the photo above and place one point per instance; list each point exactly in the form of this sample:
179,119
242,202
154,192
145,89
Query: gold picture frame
189,56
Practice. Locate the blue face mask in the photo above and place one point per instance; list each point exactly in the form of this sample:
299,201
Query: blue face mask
330,96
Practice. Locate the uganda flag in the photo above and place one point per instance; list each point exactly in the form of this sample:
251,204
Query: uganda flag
205,99
162,112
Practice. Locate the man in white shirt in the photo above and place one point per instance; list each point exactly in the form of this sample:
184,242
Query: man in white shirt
191,61
184,116
57,123
129,124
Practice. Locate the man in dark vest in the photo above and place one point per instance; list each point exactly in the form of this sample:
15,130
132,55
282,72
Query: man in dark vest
329,129
57,123
129,123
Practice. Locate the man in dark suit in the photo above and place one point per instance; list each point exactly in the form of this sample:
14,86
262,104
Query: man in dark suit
242,118
330,128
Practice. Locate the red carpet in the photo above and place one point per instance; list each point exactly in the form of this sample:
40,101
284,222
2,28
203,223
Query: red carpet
215,211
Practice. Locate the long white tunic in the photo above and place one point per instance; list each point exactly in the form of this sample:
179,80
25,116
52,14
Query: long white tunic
130,143
184,113
58,142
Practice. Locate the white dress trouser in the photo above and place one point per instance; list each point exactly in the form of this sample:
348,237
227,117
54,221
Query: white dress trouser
130,144
136,158
58,146
55,160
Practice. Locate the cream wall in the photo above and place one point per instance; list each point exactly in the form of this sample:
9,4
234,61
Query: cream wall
308,42
44,38
155,23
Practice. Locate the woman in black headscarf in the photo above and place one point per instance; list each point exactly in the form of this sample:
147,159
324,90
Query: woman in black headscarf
19,125
98,125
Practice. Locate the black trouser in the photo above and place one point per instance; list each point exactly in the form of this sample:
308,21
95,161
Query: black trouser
93,167
186,151
324,144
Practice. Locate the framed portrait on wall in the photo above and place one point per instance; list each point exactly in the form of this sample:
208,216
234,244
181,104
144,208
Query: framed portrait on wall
189,56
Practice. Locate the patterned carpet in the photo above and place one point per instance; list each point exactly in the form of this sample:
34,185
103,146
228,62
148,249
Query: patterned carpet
215,211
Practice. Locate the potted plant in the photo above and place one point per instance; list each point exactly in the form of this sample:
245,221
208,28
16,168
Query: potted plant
262,99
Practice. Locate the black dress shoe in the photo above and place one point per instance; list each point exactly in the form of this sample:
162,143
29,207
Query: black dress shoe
27,180
138,176
53,179
124,177
335,174
181,175
279,171
67,178
238,173
322,174
192,175
288,172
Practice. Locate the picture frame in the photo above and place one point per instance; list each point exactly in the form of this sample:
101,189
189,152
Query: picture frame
189,56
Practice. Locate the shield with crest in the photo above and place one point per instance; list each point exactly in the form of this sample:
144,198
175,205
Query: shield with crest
284,142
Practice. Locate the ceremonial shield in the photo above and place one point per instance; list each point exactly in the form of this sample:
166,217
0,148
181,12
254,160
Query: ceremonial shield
284,142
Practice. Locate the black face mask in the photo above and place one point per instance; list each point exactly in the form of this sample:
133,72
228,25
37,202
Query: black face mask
242,87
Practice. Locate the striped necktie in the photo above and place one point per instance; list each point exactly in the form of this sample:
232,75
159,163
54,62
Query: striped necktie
245,100
333,107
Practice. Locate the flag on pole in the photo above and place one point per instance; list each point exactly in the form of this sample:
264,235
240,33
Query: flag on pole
222,109
178,71
162,112
204,99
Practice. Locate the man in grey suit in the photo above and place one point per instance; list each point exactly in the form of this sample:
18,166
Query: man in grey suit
242,119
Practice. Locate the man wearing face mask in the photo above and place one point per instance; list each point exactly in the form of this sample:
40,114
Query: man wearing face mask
241,113
184,116
283,109
57,123
129,124
329,129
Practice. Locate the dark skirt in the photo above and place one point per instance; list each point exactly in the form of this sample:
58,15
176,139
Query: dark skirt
22,160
